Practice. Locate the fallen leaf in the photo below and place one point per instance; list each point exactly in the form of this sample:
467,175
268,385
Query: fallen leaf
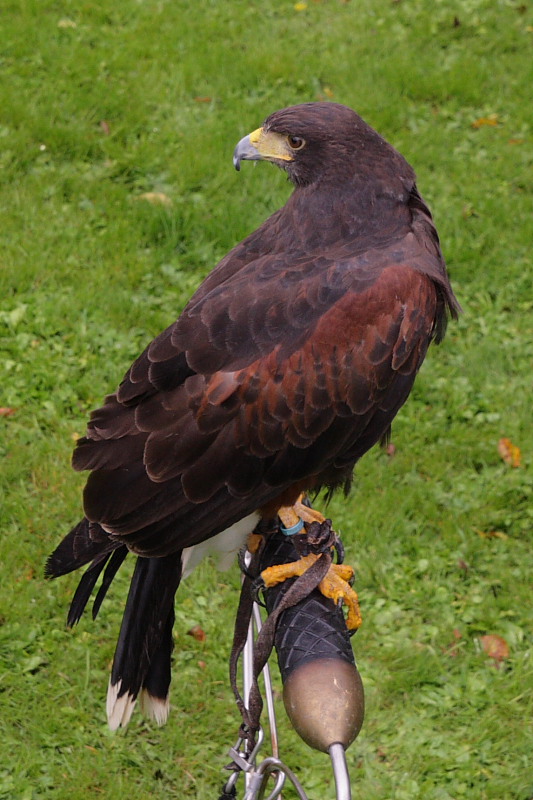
156,198
491,120
197,633
105,127
516,141
492,534
7,412
202,664
66,23
495,647
381,754
509,452
300,6
202,99
467,211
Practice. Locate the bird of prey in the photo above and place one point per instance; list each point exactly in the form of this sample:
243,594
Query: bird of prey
288,363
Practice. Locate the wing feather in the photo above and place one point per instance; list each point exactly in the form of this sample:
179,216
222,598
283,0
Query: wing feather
281,372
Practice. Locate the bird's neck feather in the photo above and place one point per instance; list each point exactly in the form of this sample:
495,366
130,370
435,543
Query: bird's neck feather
324,214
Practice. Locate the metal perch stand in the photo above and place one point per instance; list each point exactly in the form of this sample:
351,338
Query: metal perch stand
323,692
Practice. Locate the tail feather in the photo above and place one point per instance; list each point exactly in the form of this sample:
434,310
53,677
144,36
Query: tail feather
111,562
142,656
86,542
154,696
110,571
84,589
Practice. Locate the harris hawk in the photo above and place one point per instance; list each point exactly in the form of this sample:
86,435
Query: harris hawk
288,363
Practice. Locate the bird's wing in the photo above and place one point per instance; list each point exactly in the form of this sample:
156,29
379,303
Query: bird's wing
281,373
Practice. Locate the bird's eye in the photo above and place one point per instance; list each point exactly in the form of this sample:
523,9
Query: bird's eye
295,142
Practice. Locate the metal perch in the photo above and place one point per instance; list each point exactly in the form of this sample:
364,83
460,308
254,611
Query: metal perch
323,692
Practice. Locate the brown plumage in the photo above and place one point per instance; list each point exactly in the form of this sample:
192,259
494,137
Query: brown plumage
289,362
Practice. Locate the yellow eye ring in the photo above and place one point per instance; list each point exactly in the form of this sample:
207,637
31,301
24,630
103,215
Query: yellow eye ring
295,142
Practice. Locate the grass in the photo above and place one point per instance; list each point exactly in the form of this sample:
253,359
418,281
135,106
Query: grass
104,102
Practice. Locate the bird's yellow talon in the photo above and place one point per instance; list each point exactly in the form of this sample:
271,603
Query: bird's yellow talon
344,571
334,585
291,515
282,572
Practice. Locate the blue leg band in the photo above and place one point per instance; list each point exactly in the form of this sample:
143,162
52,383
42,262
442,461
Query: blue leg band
295,528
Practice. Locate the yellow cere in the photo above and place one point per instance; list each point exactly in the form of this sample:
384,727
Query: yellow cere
271,146
256,135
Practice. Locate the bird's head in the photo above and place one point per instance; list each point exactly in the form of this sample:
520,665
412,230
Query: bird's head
314,141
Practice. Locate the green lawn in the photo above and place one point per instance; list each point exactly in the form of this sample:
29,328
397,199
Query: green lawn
103,102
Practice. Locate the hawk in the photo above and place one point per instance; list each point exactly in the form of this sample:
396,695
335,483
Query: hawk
288,363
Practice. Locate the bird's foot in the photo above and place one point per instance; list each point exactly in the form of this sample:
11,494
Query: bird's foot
335,584
299,514
313,535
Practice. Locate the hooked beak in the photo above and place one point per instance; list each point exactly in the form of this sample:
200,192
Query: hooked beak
246,149
262,145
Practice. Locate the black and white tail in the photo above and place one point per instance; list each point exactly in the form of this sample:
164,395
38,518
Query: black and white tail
141,666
